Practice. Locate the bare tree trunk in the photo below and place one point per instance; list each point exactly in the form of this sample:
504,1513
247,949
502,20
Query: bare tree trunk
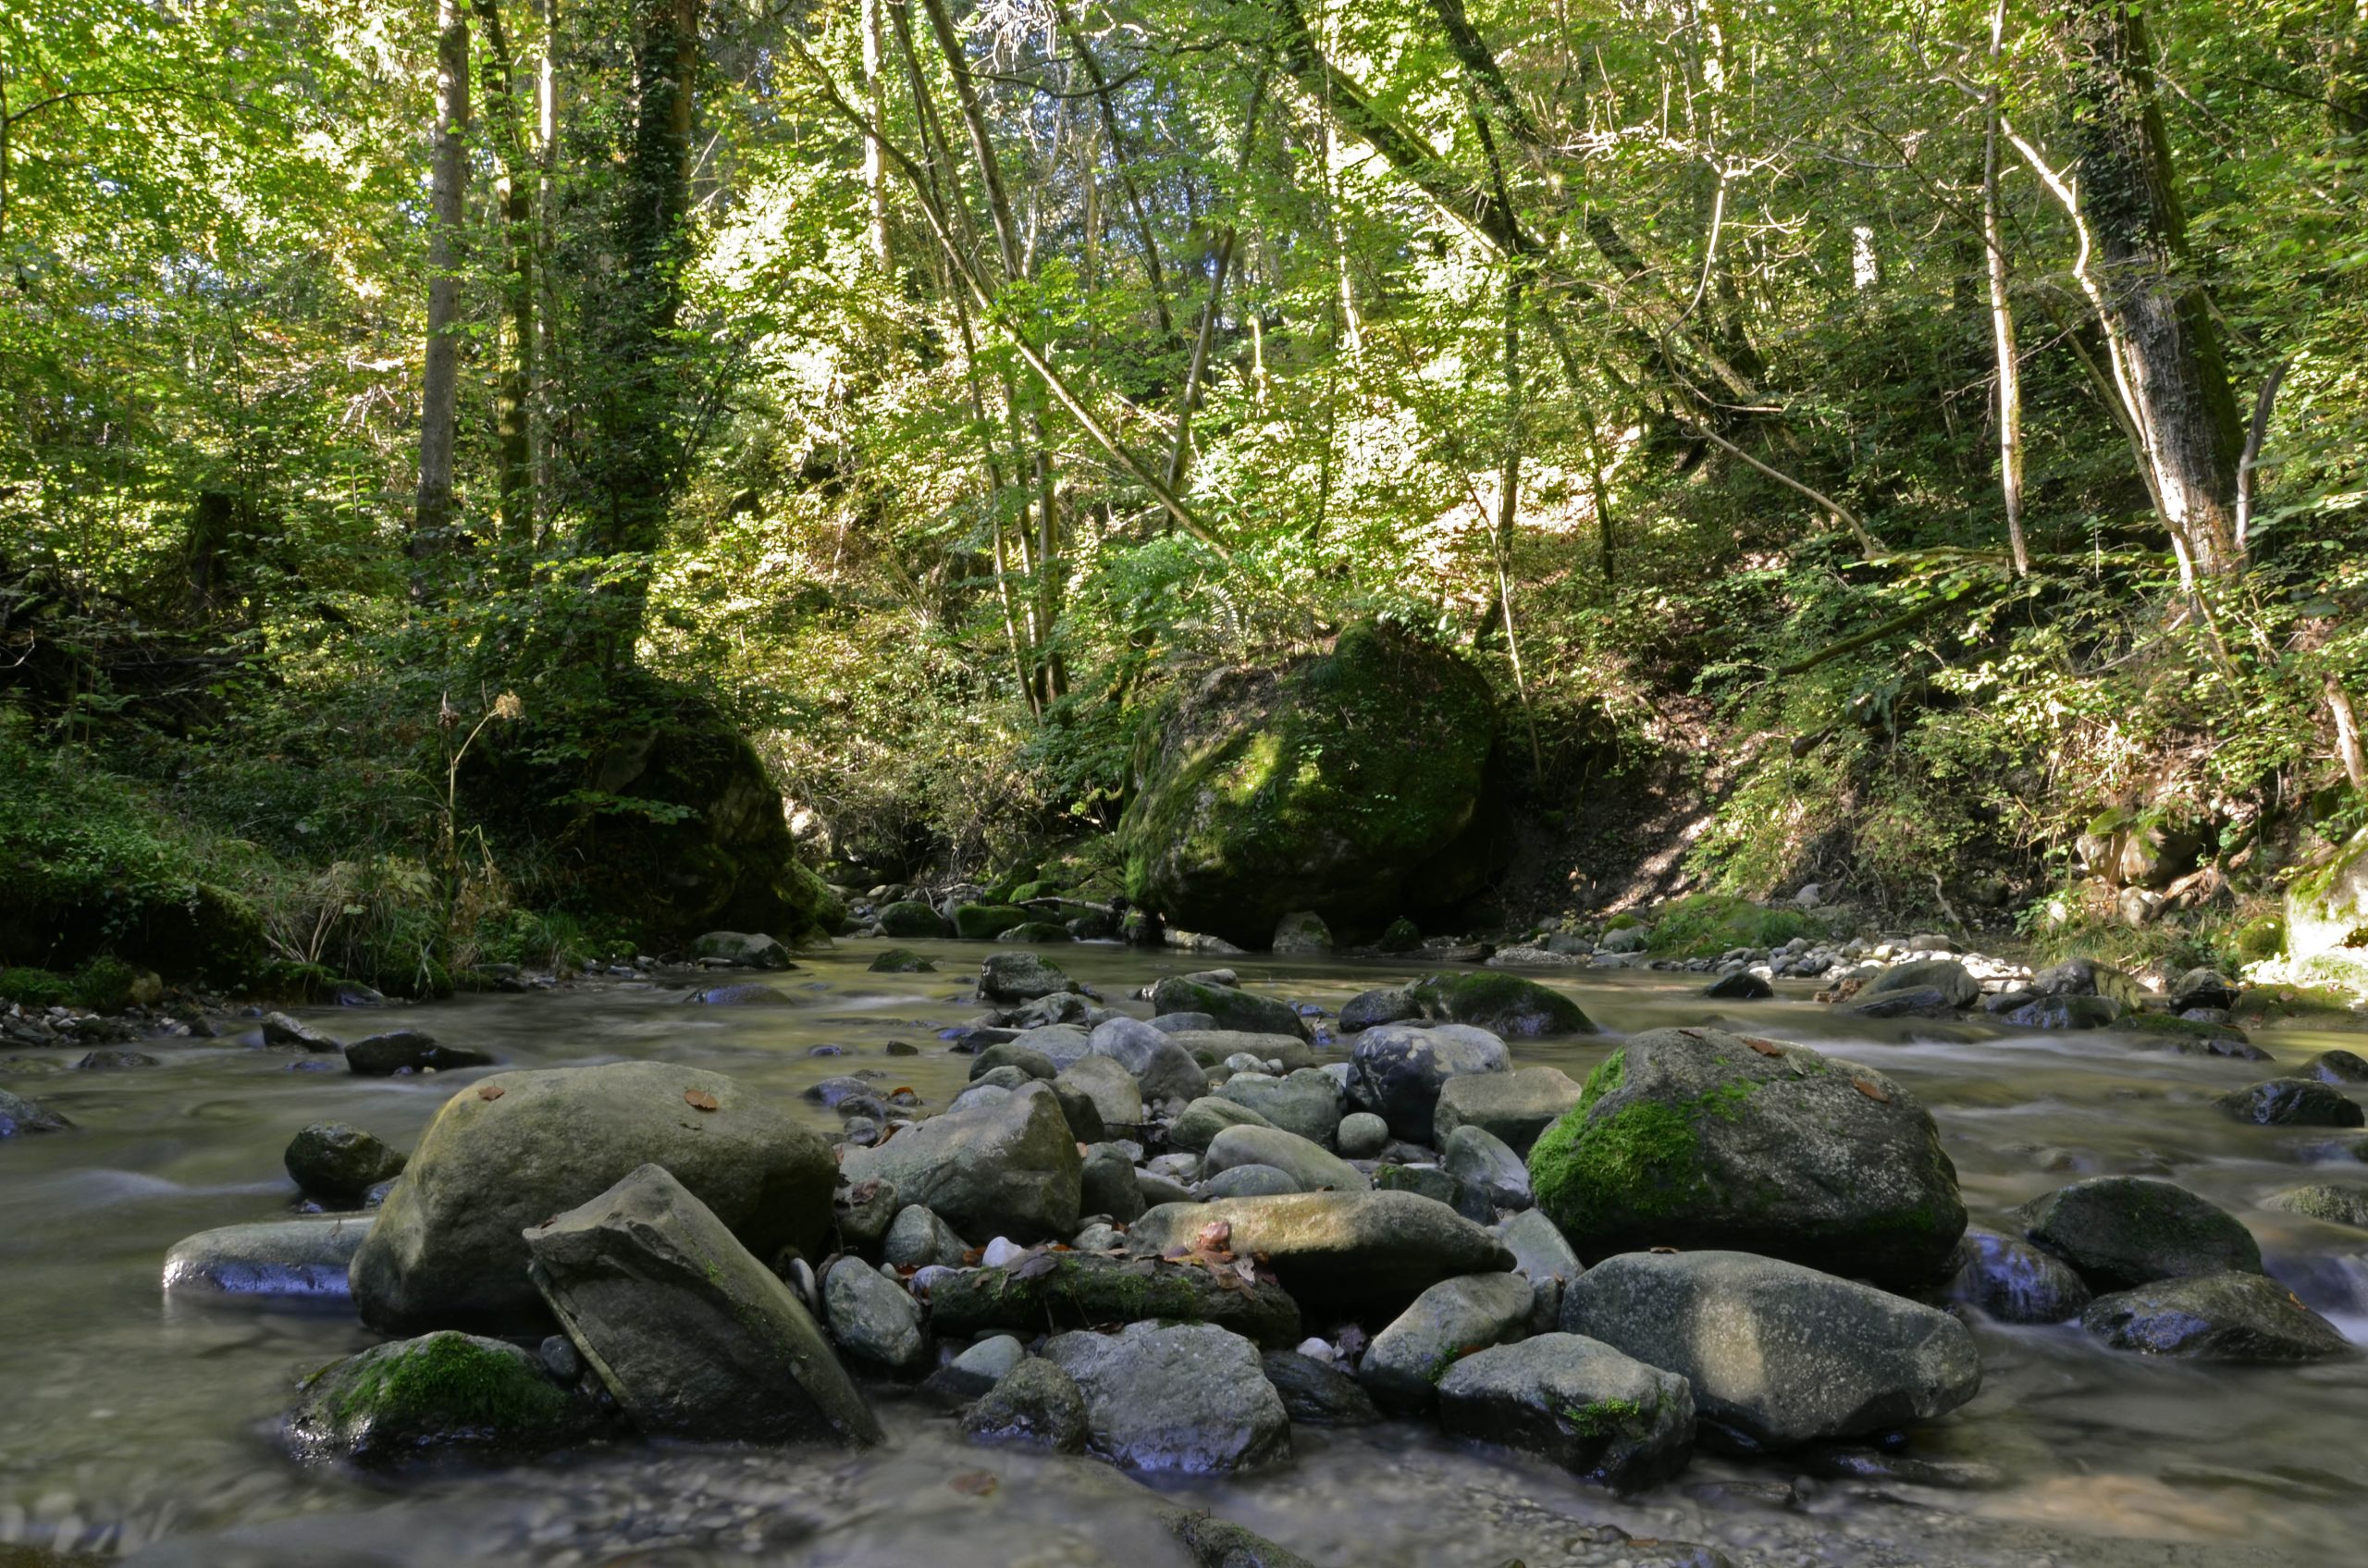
1509,508
2346,733
2176,385
875,102
539,422
514,194
440,381
2002,313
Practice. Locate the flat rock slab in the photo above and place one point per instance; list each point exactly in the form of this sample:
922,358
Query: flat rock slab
2215,1317
1359,1249
1191,1397
1778,1354
1083,1289
694,1336
1577,1401
307,1258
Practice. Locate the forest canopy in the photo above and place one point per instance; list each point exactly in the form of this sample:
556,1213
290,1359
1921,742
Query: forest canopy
1912,445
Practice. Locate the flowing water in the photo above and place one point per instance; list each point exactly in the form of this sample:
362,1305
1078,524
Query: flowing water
136,1426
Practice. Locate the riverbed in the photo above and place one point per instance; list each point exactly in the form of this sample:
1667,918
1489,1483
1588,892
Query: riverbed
137,1427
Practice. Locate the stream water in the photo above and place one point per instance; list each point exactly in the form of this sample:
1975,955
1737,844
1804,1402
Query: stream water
135,1426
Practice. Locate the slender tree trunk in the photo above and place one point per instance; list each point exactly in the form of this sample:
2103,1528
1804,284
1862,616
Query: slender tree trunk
1205,338
441,382
1121,160
875,104
2347,733
1508,509
2175,383
2002,313
541,415
514,191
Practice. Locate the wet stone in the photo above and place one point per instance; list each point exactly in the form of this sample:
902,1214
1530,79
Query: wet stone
1034,1405
2215,1317
2292,1102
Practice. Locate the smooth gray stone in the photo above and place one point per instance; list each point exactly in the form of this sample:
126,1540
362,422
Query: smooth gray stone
281,1257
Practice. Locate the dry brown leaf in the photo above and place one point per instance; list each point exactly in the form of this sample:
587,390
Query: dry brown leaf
1765,1047
974,1483
700,1100
490,1091
1214,1236
1870,1090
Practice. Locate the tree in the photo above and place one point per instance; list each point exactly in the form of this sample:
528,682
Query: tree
439,388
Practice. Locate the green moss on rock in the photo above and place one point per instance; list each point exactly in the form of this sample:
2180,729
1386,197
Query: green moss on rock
984,922
1502,1004
443,1393
1703,925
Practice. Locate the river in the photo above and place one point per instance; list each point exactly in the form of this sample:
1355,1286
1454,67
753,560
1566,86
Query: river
137,1427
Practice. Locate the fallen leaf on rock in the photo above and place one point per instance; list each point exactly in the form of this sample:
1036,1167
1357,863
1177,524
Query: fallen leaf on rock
1666,1251
971,1257
1765,1047
974,1483
1035,1265
1214,1236
700,1100
490,1091
1871,1091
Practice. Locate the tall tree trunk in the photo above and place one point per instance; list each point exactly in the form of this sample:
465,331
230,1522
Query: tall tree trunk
875,104
547,367
2155,309
514,192
2002,313
1196,373
440,381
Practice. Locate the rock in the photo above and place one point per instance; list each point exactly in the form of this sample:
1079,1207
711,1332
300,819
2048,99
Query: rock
1187,1397
1342,784
1777,1353
20,1114
917,1239
407,1050
1030,1062
1357,1249
2066,1010
1700,1139
2202,988
1232,1007
1062,1044
277,1258
1252,1181
2086,977
2292,1102
1454,1318
1183,1023
873,1319
977,1369
1316,1393
1626,939
1481,1161
1034,1405
113,1061
1302,932
1400,935
864,1212
746,950
279,1029
1308,1101
693,1336
1021,977
1111,1088
1388,1003
2337,1066
910,917
1430,1182
1162,1069
516,1148
1082,1290
1577,1401
444,1394
2014,1281
1504,1004
1106,1183
900,961
1951,978
1741,986
1273,1053
836,1092
748,995
338,1164
1010,1168
1400,1071
1062,1006
1538,1248
984,922
2326,905
1308,1164
1516,1106
1202,1120
2233,1316
1363,1135
2121,1231
993,1089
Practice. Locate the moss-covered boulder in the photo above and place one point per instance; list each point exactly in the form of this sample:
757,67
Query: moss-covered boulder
446,1393
1233,1007
910,917
984,922
2327,906
1703,925
1695,1138
1348,784
1504,1004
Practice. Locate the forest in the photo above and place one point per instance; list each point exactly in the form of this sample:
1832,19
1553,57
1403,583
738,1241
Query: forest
565,557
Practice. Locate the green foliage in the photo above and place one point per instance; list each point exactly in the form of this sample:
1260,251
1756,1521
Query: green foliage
35,988
103,984
1707,924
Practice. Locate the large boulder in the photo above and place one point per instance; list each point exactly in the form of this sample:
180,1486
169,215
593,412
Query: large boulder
1232,1007
1189,1397
1309,1102
1162,1069
1310,1166
1517,1106
1117,1098
1021,977
1776,1354
2215,1317
20,1114
742,950
1082,1290
446,1394
1695,1137
1504,1004
1009,1169
1577,1401
1399,1070
910,917
1348,785
516,1148
693,1335
1355,1249
2014,1281
2292,1102
2327,906
1451,1320
1202,1120
1951,978
2120,1231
